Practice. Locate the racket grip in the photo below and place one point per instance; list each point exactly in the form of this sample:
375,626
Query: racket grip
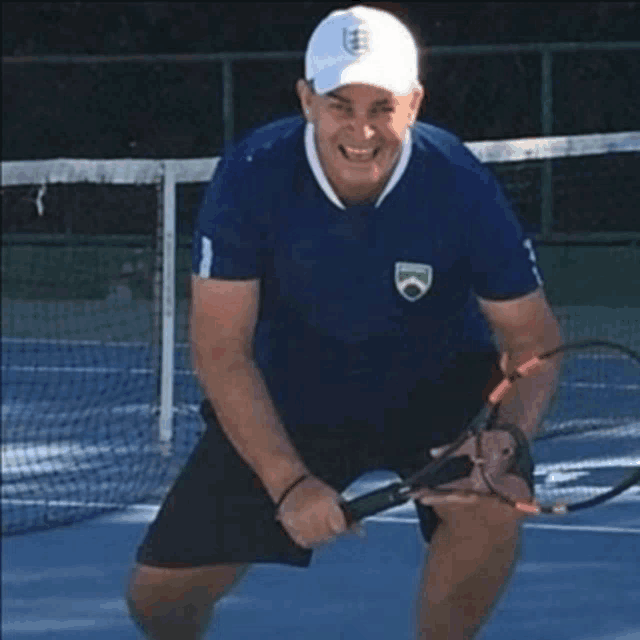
374,502
399,492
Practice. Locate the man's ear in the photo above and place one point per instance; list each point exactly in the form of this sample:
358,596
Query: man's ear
416,101
304,94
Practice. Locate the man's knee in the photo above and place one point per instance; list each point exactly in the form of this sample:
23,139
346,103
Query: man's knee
172,603
489,516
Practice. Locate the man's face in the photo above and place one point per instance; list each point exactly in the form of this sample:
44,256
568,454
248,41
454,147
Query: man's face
359,133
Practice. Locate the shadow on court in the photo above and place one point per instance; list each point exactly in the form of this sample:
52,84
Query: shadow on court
577,582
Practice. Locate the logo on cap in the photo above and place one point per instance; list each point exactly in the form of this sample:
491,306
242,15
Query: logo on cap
413,279
355,40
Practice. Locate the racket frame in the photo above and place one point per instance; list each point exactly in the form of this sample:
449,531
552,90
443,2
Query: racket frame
399,493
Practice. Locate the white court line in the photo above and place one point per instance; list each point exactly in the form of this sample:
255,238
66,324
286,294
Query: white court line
65,455
592,463
24,410
530,525
94,370
86,343
601,385
46,409
145,513
600,356
591,422
76,343
65,504
579,527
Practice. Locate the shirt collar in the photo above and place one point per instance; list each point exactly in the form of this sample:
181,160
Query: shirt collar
323,182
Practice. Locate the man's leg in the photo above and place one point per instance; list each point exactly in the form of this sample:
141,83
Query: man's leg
472,555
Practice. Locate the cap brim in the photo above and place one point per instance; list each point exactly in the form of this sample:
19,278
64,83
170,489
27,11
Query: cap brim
331,79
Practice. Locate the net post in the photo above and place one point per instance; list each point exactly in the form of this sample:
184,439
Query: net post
546,214
168,306
156,302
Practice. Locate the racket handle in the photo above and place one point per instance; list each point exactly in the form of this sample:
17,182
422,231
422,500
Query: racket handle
399,492
374,502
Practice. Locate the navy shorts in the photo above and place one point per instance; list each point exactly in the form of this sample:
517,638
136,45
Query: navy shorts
219,512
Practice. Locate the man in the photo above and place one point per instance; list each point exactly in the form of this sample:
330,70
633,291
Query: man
348,270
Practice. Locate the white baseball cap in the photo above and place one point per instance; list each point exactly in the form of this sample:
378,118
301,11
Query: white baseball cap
361,45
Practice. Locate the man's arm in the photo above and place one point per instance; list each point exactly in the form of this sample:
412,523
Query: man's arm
525,327
222,325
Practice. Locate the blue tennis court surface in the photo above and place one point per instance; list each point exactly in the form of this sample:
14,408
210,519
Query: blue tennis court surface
577,580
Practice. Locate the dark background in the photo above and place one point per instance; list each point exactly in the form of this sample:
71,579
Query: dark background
168,27
174,109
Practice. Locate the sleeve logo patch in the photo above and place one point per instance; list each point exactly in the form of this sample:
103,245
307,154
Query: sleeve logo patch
413,279
206,258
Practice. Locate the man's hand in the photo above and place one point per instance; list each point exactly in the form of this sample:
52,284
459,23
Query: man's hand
495,458
311,513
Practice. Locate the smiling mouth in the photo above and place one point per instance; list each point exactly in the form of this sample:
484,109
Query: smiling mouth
358,155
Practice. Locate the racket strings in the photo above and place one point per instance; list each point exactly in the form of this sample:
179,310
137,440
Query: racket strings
593,420
587,449
589,445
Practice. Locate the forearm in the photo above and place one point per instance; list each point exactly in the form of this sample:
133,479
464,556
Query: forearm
527,405
249,419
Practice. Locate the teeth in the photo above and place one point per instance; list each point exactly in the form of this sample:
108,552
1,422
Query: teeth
359,154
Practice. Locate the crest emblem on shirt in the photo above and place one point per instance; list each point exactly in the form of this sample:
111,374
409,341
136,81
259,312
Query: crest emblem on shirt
413,279
355,40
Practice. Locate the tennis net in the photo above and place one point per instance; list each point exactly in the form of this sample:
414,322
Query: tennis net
99,407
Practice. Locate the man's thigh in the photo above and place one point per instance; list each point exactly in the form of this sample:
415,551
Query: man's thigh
218,511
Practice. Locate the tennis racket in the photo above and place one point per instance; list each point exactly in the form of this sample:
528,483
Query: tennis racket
586,448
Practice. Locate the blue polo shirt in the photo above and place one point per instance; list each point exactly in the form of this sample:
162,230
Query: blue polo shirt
360,304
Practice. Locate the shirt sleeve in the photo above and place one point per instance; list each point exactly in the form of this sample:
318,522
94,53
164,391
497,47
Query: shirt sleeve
229,232
503,260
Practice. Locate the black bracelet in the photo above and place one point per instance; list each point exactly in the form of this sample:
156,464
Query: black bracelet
289,489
